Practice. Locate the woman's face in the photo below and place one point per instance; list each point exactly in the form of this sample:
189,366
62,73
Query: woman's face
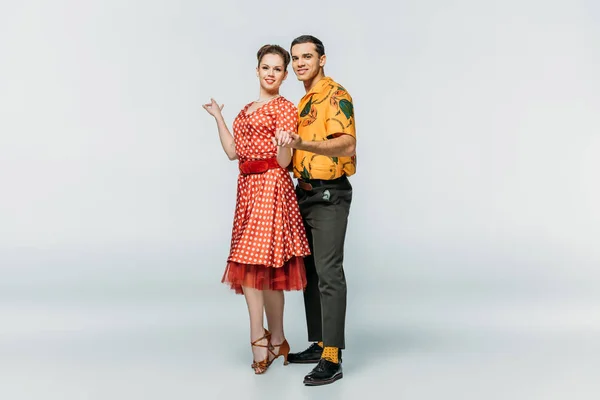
270,72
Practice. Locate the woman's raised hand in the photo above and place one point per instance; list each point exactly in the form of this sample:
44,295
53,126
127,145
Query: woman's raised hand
213,108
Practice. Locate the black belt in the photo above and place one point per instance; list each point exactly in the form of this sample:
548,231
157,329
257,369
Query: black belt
310,184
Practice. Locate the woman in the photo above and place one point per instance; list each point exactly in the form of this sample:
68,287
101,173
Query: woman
268,240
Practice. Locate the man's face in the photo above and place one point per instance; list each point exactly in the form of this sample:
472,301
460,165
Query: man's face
306,61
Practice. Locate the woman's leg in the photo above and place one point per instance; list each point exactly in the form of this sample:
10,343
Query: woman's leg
255,302
274,304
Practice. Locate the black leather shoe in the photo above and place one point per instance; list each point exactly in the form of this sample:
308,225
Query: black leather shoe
324,373
312,355
308,356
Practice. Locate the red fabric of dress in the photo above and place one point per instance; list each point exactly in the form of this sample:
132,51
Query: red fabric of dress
268,240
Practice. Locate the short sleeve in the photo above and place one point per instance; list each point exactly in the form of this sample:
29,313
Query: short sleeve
340,114
287,117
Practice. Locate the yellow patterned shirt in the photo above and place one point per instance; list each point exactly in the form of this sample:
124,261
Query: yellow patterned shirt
325,112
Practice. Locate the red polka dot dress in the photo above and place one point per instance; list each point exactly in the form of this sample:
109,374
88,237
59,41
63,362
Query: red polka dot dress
268,239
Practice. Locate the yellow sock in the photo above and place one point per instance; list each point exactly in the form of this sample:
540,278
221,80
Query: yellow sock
331,354
320,344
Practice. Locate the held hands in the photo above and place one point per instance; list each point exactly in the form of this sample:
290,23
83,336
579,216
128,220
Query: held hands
213,108
287,139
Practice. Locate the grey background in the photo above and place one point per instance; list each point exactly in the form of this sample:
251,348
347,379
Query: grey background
472,250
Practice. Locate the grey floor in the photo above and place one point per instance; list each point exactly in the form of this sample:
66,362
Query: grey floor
165,329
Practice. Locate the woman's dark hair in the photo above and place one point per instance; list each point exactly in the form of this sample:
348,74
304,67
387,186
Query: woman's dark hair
310,39
274,49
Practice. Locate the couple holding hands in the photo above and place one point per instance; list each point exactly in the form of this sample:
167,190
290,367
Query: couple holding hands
287,238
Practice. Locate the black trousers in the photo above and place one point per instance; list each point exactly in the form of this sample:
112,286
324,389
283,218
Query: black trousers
325,211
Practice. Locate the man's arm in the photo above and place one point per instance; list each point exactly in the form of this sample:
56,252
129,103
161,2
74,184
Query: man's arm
339,113
340,146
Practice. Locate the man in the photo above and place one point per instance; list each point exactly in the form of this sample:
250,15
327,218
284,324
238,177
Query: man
324,156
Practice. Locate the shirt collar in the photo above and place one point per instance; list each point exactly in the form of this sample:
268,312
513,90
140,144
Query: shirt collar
319,86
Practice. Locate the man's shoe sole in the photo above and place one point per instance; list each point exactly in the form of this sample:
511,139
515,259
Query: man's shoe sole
325,382
304,361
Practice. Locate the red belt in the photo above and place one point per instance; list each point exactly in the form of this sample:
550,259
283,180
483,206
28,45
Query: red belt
258,166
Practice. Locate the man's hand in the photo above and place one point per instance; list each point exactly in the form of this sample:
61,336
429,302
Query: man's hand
287,139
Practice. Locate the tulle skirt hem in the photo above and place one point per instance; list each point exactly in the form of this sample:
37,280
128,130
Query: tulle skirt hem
290,276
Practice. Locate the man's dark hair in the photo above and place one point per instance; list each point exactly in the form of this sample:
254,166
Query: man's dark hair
310,39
